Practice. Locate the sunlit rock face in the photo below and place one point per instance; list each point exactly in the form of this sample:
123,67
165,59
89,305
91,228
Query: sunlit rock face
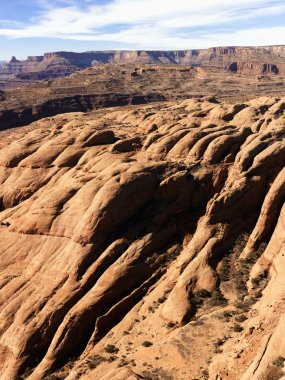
254,60
144,242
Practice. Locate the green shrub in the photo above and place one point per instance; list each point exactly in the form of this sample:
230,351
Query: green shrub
205,374
240,318
111,349
227,314
161,299
217,299
170,325
279,362
146,343
122,363
219,342
237,328
203,293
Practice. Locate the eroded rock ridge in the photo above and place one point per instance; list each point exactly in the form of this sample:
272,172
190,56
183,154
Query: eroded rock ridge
144,242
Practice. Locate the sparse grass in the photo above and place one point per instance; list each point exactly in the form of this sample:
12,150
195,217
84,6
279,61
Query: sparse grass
227,314
217,299
260,281
257,253
209,360
112,359
53,377
242,306
95,361
157,374
245,304
225,269
218,344
204,297
202,293
257,294
241,318
240,283
232,268
200,297
205,374
235,271
89,363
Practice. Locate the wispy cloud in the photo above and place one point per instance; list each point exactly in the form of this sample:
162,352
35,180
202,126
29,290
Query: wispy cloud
11,23
155,23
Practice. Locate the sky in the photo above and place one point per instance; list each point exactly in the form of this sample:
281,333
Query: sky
32,27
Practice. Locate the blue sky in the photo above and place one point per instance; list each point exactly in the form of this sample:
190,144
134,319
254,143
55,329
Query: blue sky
32,27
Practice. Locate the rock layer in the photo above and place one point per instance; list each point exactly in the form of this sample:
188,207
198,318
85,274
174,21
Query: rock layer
118,85
250,60
122,232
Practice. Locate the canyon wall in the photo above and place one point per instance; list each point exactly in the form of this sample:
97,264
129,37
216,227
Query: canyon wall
116,85
249,60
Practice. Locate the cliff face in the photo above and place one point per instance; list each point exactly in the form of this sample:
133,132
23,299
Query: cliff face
255,61
278,50
249,67
145,242
38,68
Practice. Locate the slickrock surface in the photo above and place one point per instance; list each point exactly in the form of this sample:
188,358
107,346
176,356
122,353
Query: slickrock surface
115,85
145,242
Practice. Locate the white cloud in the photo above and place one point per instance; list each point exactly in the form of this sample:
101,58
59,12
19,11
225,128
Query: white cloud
143,38
155,23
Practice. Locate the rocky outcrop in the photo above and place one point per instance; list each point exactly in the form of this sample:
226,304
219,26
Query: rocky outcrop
133,240
115,85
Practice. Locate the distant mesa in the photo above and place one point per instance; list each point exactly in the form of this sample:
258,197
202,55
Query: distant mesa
244,60
14,59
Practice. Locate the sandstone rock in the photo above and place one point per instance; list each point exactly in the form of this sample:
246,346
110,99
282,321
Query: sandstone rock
252,60
95,87
122,244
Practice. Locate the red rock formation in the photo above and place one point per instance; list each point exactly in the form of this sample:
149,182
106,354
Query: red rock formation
131,242
250,60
